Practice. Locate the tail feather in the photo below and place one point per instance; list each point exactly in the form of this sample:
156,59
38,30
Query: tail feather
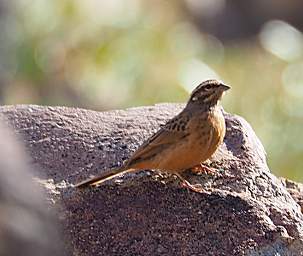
102,177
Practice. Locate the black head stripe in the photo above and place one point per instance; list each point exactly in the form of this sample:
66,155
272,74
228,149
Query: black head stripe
206,85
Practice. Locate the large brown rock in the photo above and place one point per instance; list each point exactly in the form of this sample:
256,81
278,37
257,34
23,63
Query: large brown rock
248,211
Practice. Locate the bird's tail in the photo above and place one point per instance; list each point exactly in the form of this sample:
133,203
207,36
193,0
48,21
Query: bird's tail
103,177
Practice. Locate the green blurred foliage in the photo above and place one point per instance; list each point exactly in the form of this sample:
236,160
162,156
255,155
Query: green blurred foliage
103,55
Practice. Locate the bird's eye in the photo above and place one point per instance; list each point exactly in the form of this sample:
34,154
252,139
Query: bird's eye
207,87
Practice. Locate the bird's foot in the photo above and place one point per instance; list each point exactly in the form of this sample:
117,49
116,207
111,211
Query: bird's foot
203,169
196,187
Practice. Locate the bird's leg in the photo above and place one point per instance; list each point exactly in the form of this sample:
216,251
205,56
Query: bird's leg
186,184
201,168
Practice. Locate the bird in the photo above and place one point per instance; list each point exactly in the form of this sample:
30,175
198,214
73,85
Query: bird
182,143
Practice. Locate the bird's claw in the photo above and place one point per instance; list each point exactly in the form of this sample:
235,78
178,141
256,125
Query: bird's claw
203,169
194,187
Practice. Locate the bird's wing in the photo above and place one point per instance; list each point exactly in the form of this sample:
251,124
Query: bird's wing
173,131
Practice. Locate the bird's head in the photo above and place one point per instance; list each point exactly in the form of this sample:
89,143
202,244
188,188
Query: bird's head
208,93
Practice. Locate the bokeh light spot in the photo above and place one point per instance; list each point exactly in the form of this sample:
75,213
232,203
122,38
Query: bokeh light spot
282,40
193,72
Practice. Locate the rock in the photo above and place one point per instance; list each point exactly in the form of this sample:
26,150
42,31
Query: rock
27,226
295,190
248,211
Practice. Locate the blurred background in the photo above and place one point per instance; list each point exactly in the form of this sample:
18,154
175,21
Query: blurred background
109,54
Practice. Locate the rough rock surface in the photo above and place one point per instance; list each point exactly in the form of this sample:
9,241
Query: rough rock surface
295,190
248,212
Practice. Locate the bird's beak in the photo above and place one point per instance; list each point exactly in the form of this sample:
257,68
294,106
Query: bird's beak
225,87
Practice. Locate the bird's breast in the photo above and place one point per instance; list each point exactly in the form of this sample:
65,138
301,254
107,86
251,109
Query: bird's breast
206,133
210,132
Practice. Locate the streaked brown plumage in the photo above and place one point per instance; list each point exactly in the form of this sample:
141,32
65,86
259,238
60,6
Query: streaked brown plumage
184,142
